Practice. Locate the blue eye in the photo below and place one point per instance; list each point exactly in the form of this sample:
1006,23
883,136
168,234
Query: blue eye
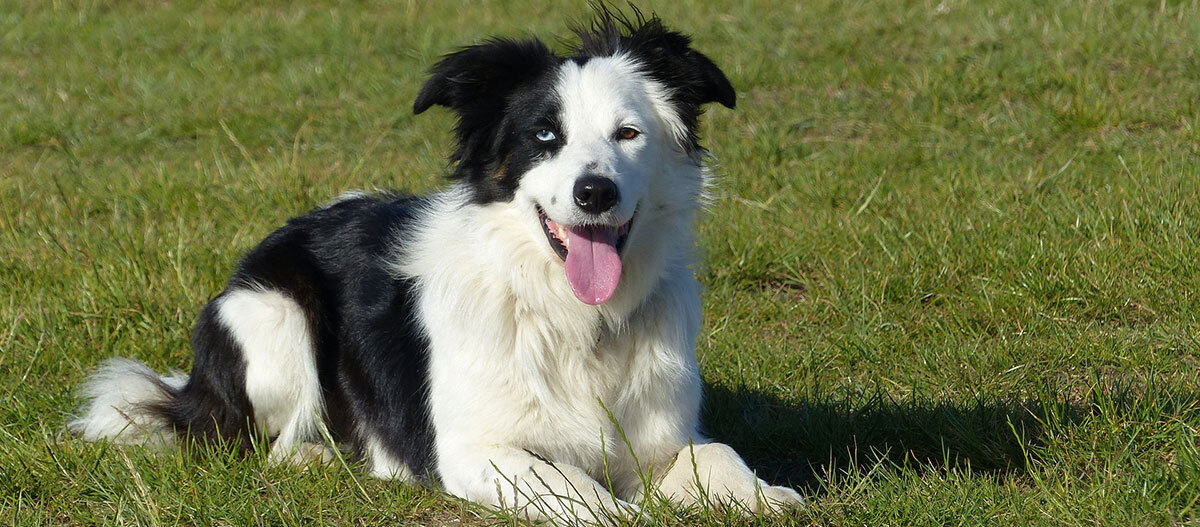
545,136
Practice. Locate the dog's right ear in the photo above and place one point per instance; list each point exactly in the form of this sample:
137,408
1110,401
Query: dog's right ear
481,77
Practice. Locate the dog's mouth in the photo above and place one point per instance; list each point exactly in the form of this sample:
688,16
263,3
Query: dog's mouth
591,255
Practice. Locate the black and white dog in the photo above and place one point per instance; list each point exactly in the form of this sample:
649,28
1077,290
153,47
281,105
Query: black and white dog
520,337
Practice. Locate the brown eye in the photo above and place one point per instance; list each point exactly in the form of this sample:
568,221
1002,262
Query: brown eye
626,133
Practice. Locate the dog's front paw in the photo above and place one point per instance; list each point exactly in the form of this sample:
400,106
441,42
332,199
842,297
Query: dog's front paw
585,513
776,498
757,497
713,473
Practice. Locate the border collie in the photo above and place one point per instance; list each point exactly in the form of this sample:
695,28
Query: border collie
524,337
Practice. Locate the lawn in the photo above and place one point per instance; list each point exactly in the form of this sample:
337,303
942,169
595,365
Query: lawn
951,265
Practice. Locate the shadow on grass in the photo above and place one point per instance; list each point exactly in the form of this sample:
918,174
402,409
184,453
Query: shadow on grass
794,444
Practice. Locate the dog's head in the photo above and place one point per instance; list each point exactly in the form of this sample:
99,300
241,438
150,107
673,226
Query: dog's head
589,146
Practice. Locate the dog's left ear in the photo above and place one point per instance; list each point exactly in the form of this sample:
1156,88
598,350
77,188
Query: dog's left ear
479,78
669,58
714,87
665,55
693,76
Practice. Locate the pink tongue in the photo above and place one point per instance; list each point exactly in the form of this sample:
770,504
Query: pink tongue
593,267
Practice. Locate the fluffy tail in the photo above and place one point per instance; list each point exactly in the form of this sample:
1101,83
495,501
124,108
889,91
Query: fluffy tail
120,405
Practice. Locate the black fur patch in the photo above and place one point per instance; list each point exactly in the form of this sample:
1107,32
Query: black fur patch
371,353
503,93
212,407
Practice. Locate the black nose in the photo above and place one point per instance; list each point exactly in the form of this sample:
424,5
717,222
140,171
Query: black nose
596,194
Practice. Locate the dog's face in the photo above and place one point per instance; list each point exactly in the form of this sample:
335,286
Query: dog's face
581,144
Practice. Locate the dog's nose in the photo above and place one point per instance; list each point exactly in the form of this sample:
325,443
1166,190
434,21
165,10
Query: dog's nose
596,194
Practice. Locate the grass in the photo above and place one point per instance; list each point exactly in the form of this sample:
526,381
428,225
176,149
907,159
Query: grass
952,267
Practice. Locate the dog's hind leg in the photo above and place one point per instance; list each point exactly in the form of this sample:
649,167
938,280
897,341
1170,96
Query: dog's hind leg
127,402
281,380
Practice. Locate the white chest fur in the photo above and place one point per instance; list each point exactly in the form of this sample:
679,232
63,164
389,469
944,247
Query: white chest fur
517,362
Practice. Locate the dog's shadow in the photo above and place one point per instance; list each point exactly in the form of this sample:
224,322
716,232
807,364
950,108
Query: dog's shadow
796,444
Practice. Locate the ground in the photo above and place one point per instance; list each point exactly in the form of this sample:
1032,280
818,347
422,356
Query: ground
952,273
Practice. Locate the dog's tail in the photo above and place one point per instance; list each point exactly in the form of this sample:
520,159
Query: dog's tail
123,402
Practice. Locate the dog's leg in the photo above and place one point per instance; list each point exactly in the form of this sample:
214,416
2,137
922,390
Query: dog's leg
662,428
276,346
516,480
714,471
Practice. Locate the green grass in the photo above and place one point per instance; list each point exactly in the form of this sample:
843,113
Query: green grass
952,266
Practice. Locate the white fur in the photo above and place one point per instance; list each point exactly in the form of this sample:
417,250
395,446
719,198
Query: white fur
381,463
598,98
537,371
713,472
281,370
117,396
531,391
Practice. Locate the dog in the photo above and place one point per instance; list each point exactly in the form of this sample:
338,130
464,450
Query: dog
524,338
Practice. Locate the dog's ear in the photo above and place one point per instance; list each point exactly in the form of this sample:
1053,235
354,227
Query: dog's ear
665,55
481,77
714,86
690,78
669,58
